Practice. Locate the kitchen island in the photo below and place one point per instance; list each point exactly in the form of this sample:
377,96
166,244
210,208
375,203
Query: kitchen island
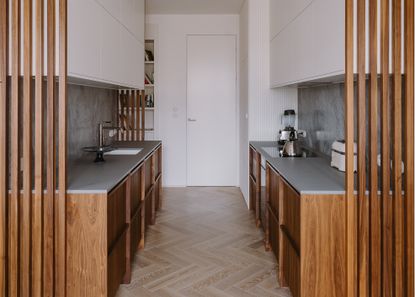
300,203
109,207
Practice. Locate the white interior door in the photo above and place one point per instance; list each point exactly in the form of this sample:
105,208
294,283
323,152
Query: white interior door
211,111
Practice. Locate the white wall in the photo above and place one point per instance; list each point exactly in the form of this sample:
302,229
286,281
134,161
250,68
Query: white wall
171,82
264,105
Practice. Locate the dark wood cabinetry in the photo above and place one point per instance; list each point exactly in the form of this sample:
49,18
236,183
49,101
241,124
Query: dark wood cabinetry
306,234
255,184
104,231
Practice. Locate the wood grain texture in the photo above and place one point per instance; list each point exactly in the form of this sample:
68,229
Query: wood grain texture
292,268
292,201
362,203
375,210
409,145
13,212
26,203
3,150
323,246
49,199
398,240
258,188
143,114
143,208
87,235
60,210
351,204
37,203
387,227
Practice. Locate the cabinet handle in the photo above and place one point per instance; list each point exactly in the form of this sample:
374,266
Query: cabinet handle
191,120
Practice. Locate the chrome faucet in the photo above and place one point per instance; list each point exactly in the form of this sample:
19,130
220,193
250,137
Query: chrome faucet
102,148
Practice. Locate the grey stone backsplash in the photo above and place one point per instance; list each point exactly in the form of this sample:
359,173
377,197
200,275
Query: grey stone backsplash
87,107
321,115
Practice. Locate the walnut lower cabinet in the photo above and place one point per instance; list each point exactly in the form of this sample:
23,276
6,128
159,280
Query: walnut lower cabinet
307,235
105,230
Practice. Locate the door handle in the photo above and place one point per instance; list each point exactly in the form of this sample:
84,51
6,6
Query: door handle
191,120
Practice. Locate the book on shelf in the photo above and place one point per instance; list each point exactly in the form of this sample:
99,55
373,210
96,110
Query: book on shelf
149,57
149,80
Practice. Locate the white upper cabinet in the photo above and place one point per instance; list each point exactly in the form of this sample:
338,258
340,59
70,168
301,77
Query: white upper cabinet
132,14
310,43
282,12
105,43
84,44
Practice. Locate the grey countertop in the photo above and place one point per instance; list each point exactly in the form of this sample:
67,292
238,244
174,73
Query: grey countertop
306,175
87,177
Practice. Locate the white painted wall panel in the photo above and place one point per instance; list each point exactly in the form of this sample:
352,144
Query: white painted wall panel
263,105
172,33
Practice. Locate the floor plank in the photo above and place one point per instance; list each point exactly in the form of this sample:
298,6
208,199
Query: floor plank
205,243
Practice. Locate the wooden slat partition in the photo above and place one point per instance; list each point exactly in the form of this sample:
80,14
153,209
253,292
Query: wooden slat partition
363,203
143,114
13,213
398,249
49,199
380,251
351,216
374,206
25,214
32,248
37,202
60,211
408,145
3,149
130,115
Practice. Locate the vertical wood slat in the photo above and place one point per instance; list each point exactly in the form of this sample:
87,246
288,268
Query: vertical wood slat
3,150
49,199
409,145
398,249
137,114
351,216
60,223
119,121
25,213
136,109
387,267
362,202
143,115
375,213
129,114
37,213
13,255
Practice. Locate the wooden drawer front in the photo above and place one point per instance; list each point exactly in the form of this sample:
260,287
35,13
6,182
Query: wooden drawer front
157,189
116,213
274,234
135,191
262,205
157,162
116,265
148,175
291,268
252,194
274,201
135,229
291,213
149,209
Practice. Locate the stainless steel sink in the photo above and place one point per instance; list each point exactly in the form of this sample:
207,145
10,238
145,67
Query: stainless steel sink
124,152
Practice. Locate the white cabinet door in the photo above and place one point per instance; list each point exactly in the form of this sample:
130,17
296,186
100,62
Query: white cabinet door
84,38
329,42
292,52
111,49
112,6
132,60
132,16
283,12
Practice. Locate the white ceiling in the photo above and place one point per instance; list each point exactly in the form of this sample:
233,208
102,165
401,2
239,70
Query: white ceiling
193,6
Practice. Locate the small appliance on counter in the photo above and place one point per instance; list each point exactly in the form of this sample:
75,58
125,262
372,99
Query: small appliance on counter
288,121
338,155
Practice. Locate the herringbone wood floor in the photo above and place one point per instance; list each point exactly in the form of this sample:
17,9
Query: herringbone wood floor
205,243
